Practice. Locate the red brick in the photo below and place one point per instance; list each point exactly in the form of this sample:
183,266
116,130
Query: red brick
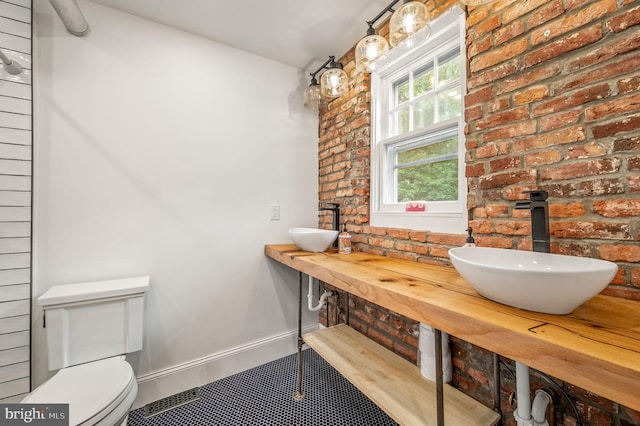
567,210
581,168
604,72
514,227
542,157
634,183
623,124
624,20
630,84
568,44
437,251
497,210
478,96
531,94
475,170
476,16
600,230
570,21
419,236
446,239
479,46
381,242
592,149
494,73
412,248
523,128
487,151
521,8
398,233
498,242
629,207
526,78
574,99
486,25
509,32
499,104
620,105
545,14
506,163
498,55
561,119
502,118
503,179
605,51
559,137
600,186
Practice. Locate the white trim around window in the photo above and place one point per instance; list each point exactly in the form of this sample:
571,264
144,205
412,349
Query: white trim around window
449,216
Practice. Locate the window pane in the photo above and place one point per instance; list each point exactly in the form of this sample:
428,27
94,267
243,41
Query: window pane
423,112
449,104
401,90
449,67
423,80
403,120
429,182
426,152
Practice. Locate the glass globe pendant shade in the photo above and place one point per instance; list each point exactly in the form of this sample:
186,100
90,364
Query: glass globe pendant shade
333,82
409,25
371,53
312,96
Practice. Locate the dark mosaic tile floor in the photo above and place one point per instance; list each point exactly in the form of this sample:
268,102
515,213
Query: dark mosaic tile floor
264,396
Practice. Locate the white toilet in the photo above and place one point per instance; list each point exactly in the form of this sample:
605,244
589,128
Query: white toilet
89,328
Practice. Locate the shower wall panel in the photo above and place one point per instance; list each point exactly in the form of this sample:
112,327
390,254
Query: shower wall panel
15,201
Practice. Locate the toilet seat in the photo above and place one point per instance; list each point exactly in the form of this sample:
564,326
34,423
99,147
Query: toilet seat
98,393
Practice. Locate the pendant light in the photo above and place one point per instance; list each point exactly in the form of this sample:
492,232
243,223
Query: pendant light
312,95
334,81
371,51
409,25
333,84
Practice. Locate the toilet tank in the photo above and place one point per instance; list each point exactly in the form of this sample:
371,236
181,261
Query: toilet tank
90,321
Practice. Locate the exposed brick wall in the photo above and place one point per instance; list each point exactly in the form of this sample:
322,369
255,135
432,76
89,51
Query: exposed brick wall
553,103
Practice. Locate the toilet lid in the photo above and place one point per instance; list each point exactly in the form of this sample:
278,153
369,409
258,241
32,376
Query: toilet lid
91,390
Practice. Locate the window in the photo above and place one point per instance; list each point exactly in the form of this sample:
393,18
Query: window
418,133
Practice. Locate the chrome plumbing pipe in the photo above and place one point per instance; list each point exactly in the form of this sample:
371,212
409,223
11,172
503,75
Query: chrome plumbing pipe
71,16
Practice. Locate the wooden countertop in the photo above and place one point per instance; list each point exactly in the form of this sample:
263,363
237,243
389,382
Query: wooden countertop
597,347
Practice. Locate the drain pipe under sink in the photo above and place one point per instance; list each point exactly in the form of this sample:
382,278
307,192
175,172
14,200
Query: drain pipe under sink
323,298
527,414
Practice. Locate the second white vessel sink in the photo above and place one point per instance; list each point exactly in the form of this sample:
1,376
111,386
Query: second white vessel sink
312,239
539,282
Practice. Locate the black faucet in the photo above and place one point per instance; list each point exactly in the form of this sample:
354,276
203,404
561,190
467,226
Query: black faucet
335,208
539,219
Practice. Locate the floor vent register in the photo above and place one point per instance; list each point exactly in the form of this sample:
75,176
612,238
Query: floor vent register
171,402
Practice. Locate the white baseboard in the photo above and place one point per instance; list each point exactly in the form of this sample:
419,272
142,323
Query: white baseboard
162,383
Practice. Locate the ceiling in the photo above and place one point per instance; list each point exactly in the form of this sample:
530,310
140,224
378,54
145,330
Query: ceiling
299,33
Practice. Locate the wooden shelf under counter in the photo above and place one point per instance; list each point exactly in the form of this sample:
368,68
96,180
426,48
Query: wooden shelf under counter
393,383
596,347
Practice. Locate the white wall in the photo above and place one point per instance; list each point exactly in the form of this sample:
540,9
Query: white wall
15,201
158,152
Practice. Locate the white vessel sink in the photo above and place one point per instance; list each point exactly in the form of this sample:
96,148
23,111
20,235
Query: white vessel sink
312,239
540,282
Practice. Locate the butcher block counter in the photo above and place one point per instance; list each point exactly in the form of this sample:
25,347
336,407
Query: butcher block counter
596,347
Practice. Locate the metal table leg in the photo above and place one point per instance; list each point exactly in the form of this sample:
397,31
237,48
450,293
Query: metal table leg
299,394
439,378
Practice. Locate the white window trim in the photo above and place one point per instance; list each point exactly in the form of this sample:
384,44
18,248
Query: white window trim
439,216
